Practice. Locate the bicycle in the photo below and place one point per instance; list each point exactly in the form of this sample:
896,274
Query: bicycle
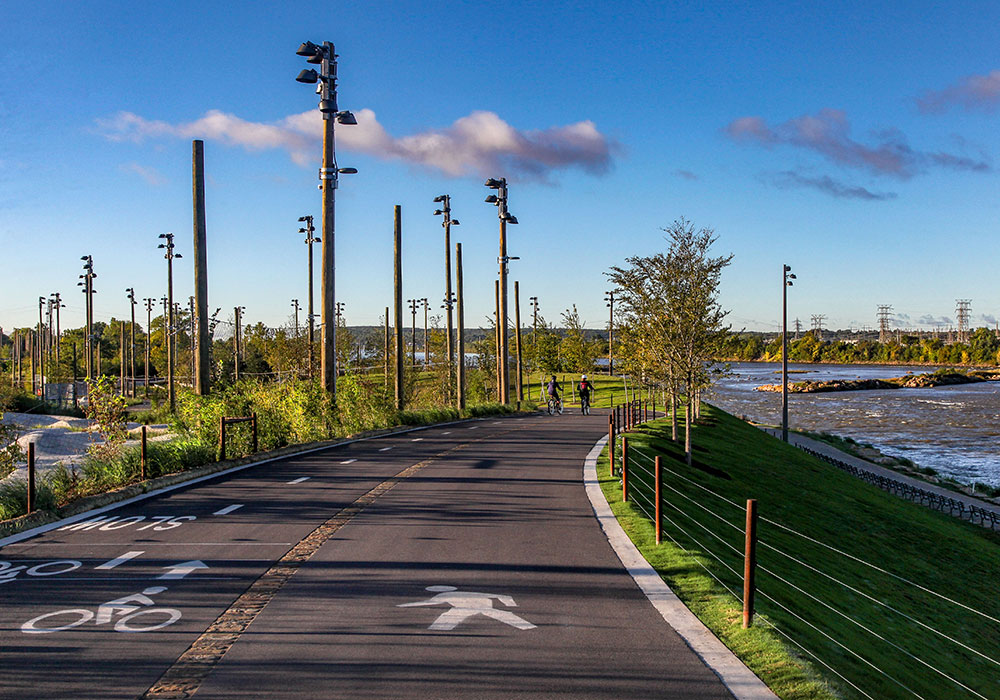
554,405
124,608
585,405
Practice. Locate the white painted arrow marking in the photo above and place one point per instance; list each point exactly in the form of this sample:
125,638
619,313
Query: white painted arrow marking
299,480
228,509
349,461
182,569
112,563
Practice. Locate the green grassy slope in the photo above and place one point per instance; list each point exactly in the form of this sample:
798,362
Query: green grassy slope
827,602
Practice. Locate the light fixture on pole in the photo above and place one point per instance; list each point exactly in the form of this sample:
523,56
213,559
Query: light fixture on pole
88,278
311,238
786,282
447,222
326,86
169,255
500,200
610,298
132,302
413,331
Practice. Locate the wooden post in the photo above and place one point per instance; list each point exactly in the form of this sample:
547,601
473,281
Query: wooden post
611,443
460,302
202,367
222,439
253,430
31,477
142,456
750,563
397,238
658,495
624,468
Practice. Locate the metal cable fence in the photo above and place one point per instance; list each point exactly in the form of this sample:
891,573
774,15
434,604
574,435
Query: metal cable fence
866,625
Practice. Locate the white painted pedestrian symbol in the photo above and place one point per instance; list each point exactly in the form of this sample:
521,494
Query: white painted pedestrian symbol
466,604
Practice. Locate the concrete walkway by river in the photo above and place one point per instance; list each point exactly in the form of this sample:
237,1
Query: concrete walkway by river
865,465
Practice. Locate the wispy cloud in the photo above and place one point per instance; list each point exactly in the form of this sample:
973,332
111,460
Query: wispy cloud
974,92
479,144
935,321
150,175
829,133
686,174
826,184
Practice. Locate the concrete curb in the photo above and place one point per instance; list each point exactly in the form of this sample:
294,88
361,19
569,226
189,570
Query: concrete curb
43,521
739,679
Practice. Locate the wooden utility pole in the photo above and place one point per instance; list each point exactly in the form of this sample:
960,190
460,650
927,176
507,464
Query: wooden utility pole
386,351
499,344
397,246
517,339
202,369
460,300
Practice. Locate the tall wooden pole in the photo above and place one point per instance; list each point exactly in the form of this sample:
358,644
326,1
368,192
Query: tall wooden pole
499,344
460,299
397,246
517,338
201,365
386,350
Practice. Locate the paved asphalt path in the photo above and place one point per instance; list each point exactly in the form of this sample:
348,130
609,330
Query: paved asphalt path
308,604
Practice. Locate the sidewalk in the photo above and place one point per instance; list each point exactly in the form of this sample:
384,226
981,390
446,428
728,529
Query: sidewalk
822,448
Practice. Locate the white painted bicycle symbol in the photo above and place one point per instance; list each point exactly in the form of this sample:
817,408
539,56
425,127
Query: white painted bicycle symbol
9,572
131,617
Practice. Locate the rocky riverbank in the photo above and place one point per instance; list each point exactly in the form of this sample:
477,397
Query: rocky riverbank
912,381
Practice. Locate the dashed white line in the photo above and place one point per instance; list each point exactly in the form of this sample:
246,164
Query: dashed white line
385,449
474,427
112,563
299,480
349,461
228,509
416,439
447,432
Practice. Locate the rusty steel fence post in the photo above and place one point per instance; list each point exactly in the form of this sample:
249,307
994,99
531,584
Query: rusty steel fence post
624,468
750,563
31,477
222,439
611,443
142,456
658,495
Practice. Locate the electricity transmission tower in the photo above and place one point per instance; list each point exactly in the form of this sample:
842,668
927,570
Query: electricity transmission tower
817,325
884,310
798,328
962,311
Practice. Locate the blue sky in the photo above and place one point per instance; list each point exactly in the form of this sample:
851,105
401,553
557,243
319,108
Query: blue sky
856,142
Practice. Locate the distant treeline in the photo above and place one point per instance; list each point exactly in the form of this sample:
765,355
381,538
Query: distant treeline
982,348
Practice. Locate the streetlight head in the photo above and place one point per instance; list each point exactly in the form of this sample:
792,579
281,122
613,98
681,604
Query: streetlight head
456,222
493,183
307,75
347,118
178,255
792,277
440,198
302,230
790,284
787,268
162,245
316,59
491,199
347,171
510,218
307,48
438,212
327,106
303,218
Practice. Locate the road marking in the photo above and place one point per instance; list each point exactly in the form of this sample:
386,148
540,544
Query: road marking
498,422
228,509
112,563
474,427
349,461
176,571
416,439
299,480
385,449
185,676
466,604
447,432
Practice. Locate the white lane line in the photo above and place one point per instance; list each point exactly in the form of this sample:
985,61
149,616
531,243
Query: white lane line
112,563
385,449
166,544
416,439
349,461
498,422
228,509
474,427
447,432
299,480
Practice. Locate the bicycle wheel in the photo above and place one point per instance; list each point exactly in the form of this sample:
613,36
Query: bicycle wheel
31,626
173,615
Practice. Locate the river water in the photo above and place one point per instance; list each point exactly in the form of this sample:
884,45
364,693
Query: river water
954,429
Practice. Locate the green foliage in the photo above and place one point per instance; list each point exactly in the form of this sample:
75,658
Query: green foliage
364,403
107,409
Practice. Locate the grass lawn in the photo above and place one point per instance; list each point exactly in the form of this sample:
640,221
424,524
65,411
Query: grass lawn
828,625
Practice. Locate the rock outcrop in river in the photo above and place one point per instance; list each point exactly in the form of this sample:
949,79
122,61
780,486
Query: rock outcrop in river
927,380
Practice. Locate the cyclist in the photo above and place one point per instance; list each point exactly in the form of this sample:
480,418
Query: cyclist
553,391
585,390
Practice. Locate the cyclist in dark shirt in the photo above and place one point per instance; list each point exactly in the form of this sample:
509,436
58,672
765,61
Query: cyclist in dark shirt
554,388
585,391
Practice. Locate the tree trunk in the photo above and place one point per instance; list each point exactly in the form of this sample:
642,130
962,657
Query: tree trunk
687,424
673,410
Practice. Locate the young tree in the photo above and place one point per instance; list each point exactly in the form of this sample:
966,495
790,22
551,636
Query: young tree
672,323
577,354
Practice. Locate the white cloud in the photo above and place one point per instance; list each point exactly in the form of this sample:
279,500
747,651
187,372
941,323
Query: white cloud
478,144
150,175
